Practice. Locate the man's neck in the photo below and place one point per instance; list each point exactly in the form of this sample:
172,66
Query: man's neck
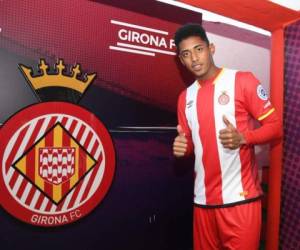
210,75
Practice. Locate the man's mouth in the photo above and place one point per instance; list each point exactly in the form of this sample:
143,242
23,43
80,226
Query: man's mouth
197,66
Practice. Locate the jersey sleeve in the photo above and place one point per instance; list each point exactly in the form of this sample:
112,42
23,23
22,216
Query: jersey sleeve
257,103
182,121
256,99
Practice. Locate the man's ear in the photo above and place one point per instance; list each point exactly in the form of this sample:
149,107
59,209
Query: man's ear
212,48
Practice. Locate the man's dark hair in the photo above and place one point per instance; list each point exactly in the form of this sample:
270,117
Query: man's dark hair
188,30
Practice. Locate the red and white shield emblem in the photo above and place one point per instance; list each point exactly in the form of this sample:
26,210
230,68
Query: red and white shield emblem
57,163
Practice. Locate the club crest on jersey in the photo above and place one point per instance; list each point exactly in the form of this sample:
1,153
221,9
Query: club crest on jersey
262,94
57,158
223,98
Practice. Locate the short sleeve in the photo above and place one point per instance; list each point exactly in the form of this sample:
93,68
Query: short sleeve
182,121
256,99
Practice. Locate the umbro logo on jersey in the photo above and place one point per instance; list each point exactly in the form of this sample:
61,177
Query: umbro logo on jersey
189,104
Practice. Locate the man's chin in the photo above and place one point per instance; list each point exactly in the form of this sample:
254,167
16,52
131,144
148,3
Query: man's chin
199,74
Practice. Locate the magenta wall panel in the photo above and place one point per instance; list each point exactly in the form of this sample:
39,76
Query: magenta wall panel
290,201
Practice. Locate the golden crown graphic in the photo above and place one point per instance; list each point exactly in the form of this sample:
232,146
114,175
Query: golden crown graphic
58,78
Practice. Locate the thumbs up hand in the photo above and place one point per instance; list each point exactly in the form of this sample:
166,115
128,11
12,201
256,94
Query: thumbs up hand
180,143
230,137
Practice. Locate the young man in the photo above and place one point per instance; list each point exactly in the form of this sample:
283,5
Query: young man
213,115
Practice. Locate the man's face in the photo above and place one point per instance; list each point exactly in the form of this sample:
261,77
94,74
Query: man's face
196,55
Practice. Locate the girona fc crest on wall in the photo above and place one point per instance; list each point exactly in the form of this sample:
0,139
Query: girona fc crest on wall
57,160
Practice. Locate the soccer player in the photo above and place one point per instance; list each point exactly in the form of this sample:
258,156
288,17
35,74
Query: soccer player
214,116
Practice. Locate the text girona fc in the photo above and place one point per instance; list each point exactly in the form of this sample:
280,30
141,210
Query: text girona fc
57,158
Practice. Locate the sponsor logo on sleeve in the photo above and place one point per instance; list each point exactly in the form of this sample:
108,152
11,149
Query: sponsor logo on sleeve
261,93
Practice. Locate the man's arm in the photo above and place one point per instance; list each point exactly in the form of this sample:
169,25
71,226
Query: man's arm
231,138
259,106
271,129
182,145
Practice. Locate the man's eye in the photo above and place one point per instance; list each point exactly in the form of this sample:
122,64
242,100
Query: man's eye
185,54
200,49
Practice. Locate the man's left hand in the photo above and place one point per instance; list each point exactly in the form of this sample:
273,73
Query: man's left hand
230,137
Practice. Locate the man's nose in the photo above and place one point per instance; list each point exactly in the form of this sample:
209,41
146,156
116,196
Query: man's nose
194,56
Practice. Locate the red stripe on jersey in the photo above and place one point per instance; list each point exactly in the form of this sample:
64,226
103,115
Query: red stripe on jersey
247,100
246,165
207,133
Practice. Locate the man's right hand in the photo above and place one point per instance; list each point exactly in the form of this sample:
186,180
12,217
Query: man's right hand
180,143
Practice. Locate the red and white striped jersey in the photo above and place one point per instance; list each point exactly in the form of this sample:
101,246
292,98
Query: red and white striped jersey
223,176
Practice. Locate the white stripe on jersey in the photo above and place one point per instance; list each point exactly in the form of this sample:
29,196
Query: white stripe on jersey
229,159
192,118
